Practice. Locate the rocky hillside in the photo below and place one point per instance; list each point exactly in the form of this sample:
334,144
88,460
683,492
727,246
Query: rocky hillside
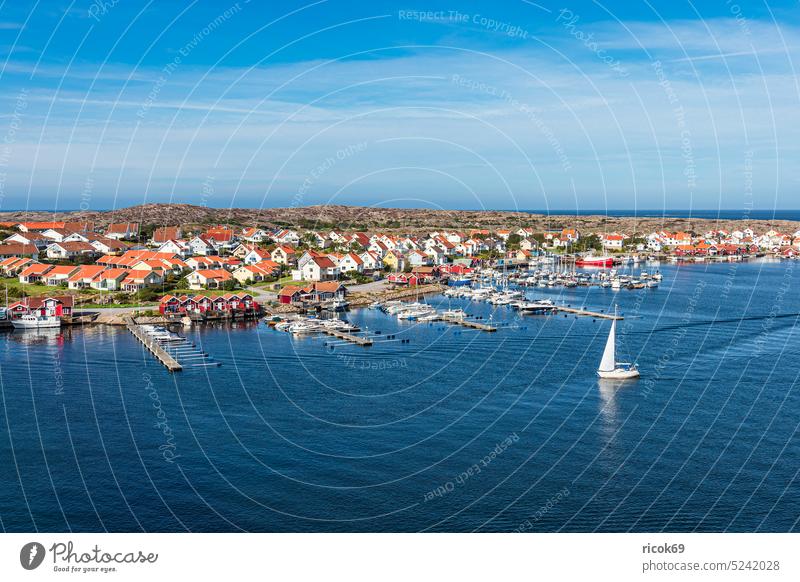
399,219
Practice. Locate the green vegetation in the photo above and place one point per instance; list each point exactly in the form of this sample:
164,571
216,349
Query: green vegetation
107,305
585,243
512,244
209,292
359,278
632,242
17,289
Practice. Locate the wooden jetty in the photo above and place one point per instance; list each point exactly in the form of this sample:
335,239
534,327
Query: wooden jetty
468,323
352,338
587,313
160,353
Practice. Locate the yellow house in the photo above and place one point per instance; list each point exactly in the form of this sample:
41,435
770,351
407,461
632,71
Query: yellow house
394,261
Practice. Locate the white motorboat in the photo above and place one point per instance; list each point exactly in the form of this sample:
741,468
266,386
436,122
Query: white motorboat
413,314
481,293
609,367
338,325
399,307
36,321
453,314
539,306
304,328
432,316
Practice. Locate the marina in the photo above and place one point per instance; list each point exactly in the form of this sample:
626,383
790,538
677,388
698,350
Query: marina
155,347
170,349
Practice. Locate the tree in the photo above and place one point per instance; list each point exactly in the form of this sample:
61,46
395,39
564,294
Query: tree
588,242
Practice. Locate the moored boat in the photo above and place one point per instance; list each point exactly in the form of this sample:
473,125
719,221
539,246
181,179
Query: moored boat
36,321
605,262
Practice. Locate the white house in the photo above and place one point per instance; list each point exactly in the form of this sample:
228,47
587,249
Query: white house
613,242
351,262
69,250
120,230
64,235
283,255
256,255
208,278
286,237
418,259
175,247
255,273
378,247
254,235
317,269
201,246
108,246
371,261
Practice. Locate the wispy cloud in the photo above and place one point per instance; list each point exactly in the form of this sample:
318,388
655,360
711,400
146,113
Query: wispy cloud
519,126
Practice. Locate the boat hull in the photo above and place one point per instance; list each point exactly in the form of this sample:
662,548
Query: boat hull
619,374
605,262
36,325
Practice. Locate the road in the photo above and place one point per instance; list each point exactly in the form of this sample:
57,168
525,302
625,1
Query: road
113,310
370,287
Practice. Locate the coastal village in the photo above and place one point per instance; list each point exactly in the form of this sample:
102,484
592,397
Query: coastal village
53,266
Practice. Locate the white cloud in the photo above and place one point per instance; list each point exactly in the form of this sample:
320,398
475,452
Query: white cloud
529,113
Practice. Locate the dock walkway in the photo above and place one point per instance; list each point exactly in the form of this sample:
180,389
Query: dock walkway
343,335
468,323
587,313
160,353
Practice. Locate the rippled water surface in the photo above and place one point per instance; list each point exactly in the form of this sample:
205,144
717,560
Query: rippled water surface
456,430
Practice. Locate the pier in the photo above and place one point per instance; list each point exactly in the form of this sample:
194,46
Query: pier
586,313
160,353
349,337
468,323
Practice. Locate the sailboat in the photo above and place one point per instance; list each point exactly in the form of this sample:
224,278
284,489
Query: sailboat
609,367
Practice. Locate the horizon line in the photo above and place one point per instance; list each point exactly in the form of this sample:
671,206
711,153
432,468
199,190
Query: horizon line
598,211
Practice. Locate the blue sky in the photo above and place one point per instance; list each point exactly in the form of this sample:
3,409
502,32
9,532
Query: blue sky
511,104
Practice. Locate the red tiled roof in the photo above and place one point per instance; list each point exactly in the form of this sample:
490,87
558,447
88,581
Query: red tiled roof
75,246
214,274
113,274
35,269
87,272
122,227
17,249
42,225
324,262
290,290
62,270
165,233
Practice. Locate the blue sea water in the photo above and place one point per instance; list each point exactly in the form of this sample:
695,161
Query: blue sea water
710,214
456,430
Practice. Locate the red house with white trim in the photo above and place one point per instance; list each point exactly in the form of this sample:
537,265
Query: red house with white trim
58,306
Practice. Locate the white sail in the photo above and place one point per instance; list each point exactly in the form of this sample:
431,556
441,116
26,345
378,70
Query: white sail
608,363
